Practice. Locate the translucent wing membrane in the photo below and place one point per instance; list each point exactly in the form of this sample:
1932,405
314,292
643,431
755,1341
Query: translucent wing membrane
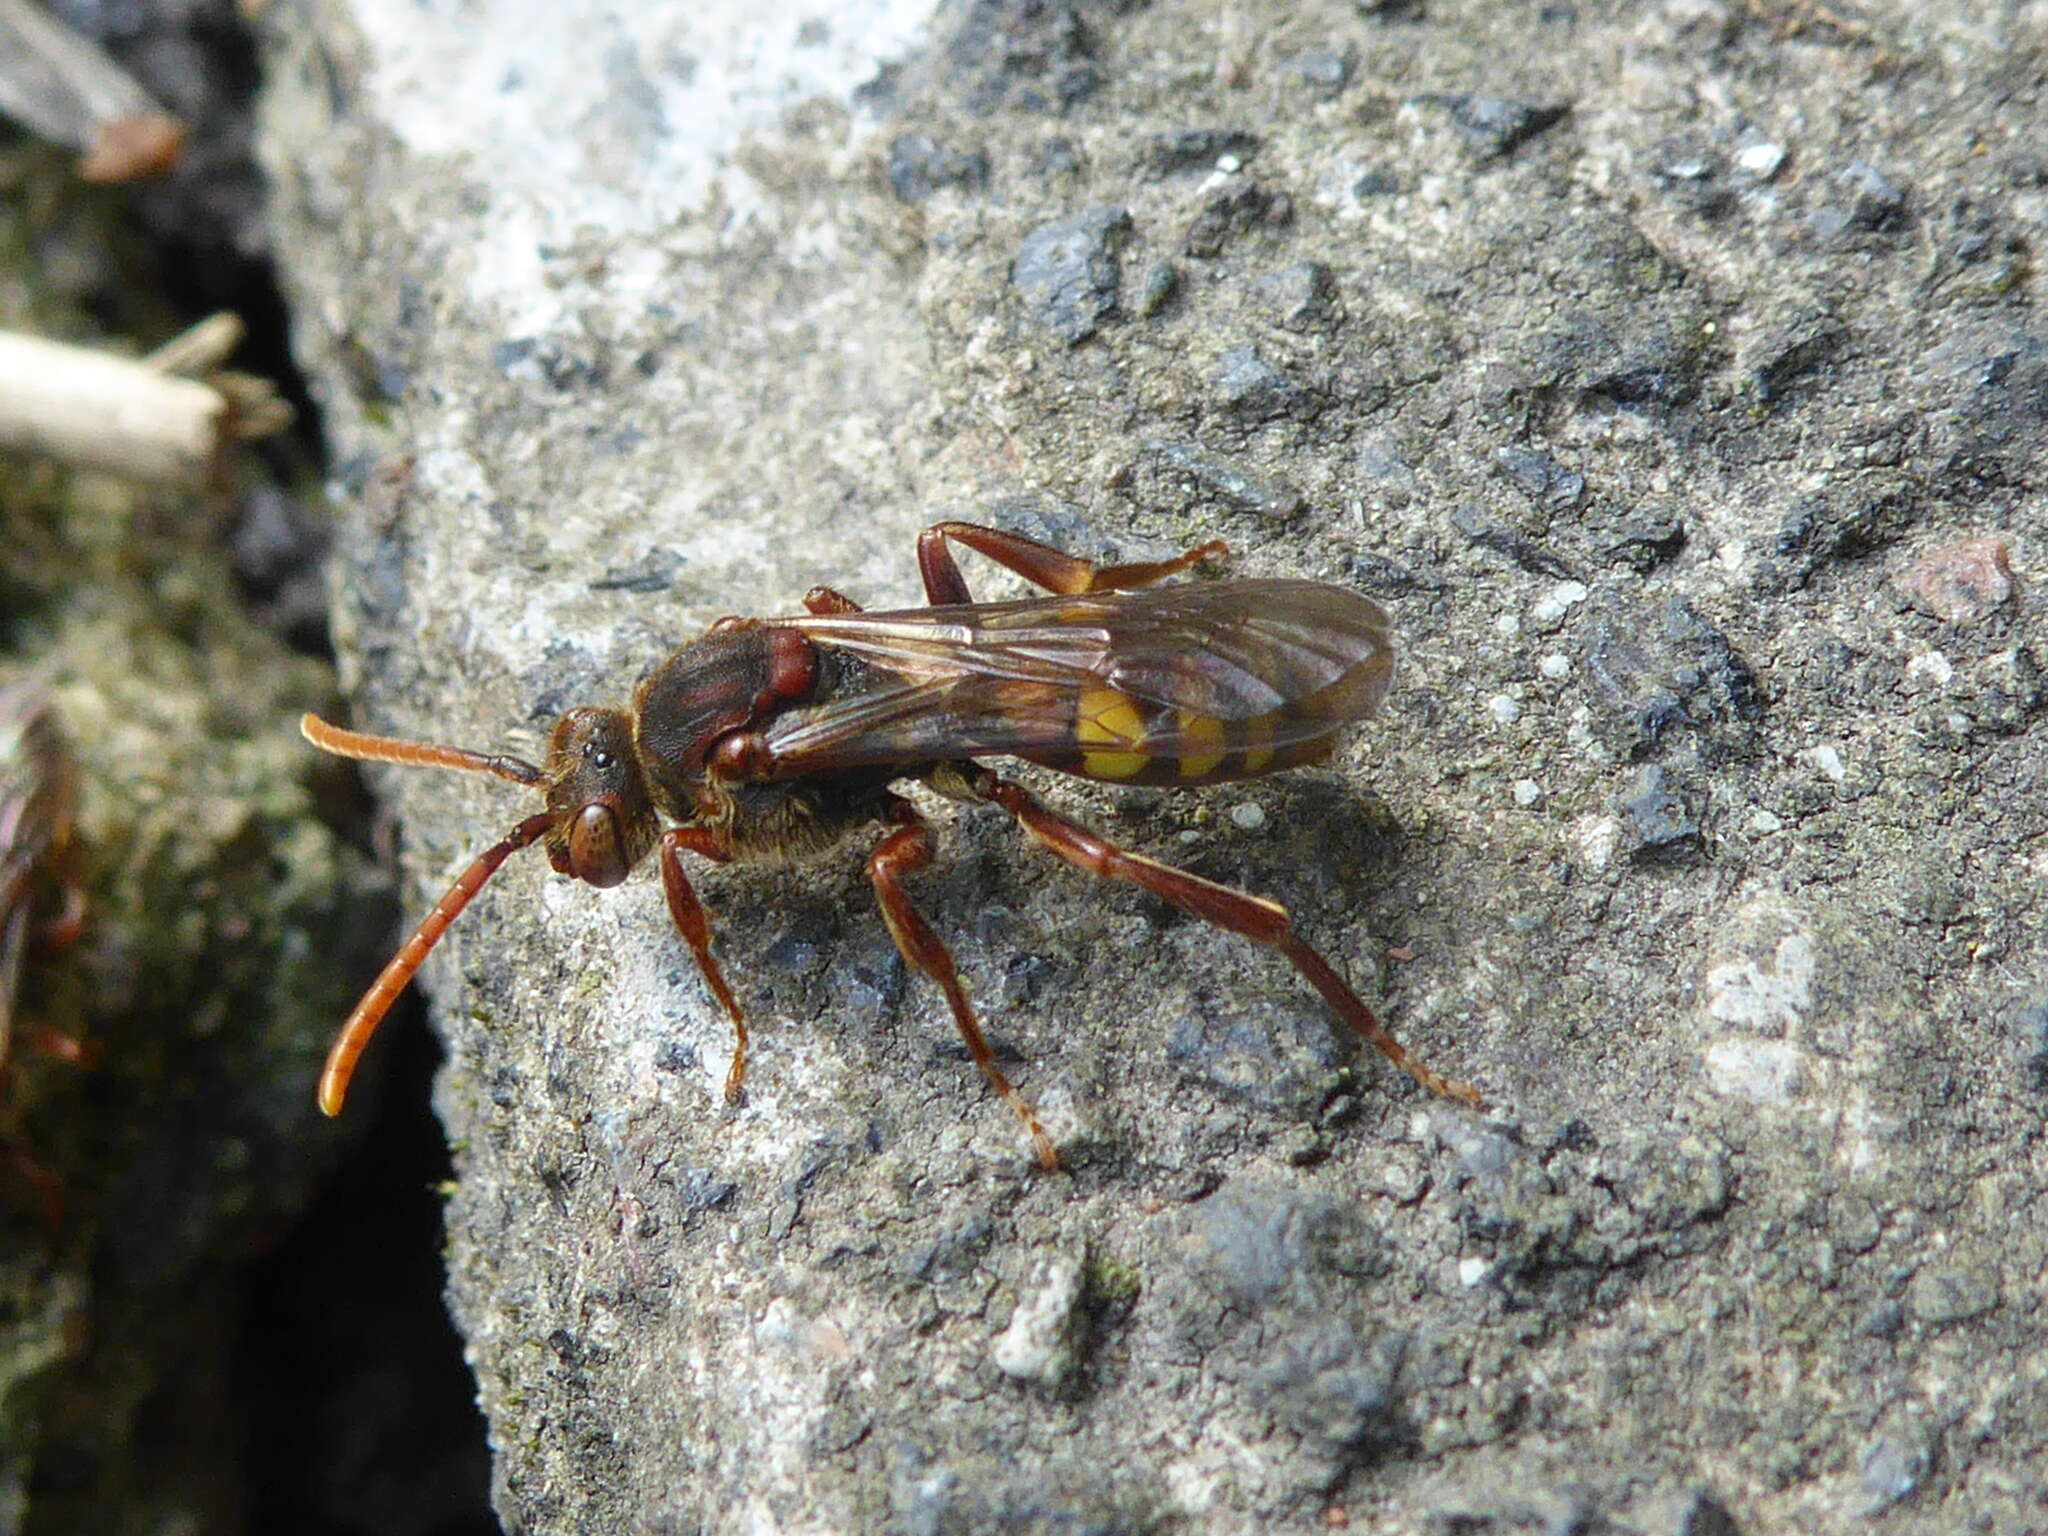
1184,685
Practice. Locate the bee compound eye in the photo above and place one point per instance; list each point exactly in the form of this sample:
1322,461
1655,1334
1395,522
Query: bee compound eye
596,854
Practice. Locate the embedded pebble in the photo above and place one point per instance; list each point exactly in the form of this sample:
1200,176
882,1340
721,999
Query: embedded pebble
1596,838
1558,601
1555,666
1040,1343
1322,69
1527,792
1248,817
1665,826
1762,161
1890,1470
1962,581
1067,271
1938,1297
1828,760
1504,710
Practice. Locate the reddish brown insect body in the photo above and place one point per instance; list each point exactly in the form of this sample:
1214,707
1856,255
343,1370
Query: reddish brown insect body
38,790
772,738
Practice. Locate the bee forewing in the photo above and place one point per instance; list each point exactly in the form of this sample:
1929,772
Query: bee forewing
1174,685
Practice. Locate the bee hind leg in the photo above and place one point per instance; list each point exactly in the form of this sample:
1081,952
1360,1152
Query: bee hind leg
1040,564
1254,917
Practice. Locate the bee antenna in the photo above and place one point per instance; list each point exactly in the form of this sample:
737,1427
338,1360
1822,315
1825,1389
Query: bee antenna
360,1025
365,748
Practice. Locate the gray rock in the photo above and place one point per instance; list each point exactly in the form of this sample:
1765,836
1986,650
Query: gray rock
1498,125
1302,294
1322,69
1668,678
1234,213
1067,271
1252,389
1747,1121
1665,828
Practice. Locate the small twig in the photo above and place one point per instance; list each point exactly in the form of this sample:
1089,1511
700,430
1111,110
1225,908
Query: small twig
134,418
59,85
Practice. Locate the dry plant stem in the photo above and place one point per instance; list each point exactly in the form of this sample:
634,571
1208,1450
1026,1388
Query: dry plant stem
97,411
61,87
130,417
199,348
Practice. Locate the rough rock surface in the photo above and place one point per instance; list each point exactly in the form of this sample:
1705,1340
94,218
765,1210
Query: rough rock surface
1674,372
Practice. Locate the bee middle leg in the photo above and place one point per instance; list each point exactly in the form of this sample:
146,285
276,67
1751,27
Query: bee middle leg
694,925
1040,564
1240,912
909,848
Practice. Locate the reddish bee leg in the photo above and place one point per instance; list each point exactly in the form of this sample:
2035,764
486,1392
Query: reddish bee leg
41,1184
68,926
908,848
1265,922
69,1049
823,600
1039,564
695,927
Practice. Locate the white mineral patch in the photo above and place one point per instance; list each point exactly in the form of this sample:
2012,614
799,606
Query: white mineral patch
617,120
1764,1071
1768,998
1595,837
1761,160
1929,670
1828,760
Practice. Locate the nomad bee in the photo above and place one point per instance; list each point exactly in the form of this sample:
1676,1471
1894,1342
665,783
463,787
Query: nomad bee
38,794
768,739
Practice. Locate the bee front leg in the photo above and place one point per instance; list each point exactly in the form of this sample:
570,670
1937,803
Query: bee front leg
695,927
1040,564
909,848
1240,912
